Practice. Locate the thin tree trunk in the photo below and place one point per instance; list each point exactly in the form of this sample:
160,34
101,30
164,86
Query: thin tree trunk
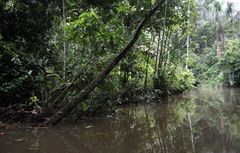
167,47
64,42
158,48
188,41
67,109
161,50
188,36
146,73
147,63
164,48
163,37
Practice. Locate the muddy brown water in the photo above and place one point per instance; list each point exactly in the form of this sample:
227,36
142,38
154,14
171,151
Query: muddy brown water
203,121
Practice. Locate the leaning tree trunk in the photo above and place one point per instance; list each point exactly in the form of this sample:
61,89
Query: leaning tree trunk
66,110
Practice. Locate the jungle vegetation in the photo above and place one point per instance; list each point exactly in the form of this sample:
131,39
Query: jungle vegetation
62,58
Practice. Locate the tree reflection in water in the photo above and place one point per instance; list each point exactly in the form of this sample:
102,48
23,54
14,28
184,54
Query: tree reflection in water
203,121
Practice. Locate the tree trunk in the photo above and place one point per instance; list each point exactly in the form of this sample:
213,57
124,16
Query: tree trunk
188,36
147,63
66,110
157,54
64,42
163,38
167,46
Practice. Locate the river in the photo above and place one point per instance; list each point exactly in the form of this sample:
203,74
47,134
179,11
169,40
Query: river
202,121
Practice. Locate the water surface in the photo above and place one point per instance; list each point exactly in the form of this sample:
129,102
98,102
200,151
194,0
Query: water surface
203,121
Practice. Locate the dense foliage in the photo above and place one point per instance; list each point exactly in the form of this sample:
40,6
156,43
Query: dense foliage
26,50
52,46
216,45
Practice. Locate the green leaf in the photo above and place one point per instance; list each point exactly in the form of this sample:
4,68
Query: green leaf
85,107
153,1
